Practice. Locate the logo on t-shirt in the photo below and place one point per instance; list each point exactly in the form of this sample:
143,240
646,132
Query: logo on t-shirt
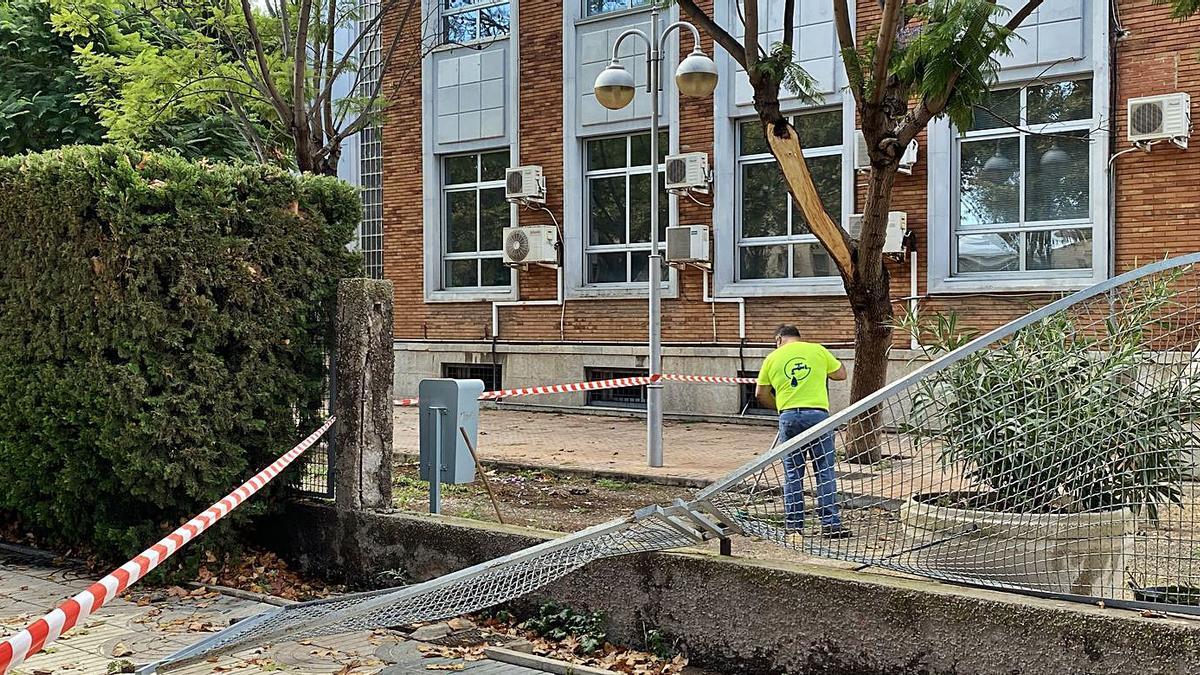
797,370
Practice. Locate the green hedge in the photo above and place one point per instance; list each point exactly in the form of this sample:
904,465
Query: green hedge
162,328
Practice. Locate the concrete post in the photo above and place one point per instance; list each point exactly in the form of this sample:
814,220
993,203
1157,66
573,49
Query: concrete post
363,405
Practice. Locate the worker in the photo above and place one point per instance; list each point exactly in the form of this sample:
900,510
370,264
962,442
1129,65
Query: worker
794,380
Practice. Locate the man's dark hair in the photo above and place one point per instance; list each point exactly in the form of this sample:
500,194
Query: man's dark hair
787,330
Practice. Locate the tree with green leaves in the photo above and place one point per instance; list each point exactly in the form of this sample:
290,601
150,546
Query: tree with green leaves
39,89
925,59
283,78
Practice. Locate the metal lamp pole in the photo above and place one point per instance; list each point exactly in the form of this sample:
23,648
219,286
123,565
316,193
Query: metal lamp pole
696,76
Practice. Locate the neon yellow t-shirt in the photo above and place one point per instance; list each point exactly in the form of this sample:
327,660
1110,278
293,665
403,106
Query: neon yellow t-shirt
798,372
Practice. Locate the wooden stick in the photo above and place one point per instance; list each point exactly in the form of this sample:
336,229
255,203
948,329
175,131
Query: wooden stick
479,467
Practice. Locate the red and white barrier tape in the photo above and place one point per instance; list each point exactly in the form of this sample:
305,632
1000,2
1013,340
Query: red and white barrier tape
594,385
16,648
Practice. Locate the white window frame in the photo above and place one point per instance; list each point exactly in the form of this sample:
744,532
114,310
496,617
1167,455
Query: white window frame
478,254
628,172
943,187
1021,227
476,7
630,6
741,241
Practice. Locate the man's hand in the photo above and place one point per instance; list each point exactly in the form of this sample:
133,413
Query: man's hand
765,396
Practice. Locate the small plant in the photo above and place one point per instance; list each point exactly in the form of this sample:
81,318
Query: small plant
559,623
614,485
1063,418
659,644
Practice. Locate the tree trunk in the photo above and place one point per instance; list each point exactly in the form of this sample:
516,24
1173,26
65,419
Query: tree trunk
869,293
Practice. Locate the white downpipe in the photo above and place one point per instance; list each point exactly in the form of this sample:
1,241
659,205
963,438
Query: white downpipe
557,301
913,344
741,303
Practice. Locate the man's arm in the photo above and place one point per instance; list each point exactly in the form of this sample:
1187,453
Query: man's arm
839,374
765,395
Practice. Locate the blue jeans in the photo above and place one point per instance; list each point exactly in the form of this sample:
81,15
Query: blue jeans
793,423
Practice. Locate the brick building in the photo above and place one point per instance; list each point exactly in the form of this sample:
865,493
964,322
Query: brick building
1004,217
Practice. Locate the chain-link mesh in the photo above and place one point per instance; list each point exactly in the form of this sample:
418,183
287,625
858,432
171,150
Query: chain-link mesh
1056,454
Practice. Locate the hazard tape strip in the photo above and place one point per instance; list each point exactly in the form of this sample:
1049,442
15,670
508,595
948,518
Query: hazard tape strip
595,385
16,648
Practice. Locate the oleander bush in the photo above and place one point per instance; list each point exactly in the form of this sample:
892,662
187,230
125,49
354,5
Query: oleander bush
162,333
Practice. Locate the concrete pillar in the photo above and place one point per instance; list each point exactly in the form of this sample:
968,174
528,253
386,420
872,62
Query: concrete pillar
363,404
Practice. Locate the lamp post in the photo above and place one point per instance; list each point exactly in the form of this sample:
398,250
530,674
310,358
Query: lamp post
696,76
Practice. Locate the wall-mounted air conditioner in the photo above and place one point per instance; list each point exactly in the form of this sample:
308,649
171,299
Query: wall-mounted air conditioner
525,183
531,244
897,227
688,171
862,160
1167,117
687,244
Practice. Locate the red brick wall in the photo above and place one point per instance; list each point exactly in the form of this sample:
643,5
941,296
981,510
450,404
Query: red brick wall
1157,204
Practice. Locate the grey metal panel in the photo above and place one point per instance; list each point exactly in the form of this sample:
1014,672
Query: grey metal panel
594,41
471,96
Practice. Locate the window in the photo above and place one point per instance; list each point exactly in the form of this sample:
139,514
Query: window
475,215
466,21
750,402
594,7
773,241
624,397
370,148
490,373
1023,201
618,208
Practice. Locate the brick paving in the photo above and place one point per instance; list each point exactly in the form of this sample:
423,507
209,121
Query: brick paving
31,585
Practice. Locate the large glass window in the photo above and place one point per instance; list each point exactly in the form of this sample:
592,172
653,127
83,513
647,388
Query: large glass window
773,240
1024,182
466,21
594,7
475,214
618,208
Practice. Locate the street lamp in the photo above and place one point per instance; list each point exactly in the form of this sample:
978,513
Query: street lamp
696,76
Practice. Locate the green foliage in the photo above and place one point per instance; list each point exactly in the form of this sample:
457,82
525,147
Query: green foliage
953,53
162,330
1060,420
40,83
658,644
779,67
558,623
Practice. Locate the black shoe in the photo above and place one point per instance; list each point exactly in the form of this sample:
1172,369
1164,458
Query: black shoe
839,532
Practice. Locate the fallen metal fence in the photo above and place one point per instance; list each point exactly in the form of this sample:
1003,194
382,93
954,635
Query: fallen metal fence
1055,455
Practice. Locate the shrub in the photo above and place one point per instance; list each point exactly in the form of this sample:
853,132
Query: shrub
1065,416
162,330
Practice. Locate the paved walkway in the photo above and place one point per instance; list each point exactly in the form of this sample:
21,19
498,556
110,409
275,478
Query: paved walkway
125,630
698,452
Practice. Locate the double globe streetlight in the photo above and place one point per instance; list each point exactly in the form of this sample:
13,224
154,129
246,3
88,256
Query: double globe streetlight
696,76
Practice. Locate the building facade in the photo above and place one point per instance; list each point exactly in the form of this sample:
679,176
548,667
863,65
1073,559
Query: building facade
1032,201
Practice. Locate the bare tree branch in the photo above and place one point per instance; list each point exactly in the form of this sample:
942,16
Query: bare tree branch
719,35
884,42
789,23
750,39
277,101
841,18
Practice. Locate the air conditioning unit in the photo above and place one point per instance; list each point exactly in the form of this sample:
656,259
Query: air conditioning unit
688,171
1161,118
897,227
525,183
862,160
531,244
687,244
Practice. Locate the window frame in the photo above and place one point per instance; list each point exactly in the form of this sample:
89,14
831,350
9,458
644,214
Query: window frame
790,240
1021,227
627,171
630,7
444,254
475,7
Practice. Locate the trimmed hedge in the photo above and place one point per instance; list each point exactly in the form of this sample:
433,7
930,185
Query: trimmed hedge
162,329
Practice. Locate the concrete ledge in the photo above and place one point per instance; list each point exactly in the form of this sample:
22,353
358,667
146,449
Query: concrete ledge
763,617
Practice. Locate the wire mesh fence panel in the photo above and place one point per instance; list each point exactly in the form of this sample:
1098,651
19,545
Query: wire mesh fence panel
1057,454
315,468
